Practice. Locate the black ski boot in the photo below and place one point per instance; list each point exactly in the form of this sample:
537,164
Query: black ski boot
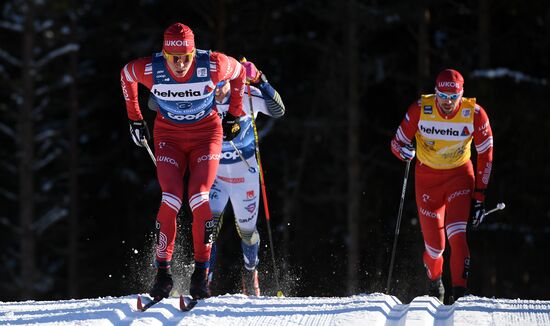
251,286
198,287
436,289
458,292
163,284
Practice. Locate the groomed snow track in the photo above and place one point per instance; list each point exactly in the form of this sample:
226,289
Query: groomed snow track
371,309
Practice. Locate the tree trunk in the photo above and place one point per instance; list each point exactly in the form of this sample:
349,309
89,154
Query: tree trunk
73,169
221,25
26,158
353,150
484,34
423,50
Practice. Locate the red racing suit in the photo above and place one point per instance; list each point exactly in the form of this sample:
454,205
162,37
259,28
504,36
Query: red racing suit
444,176
187,135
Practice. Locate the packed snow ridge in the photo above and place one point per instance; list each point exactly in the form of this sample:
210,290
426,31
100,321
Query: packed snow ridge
365,309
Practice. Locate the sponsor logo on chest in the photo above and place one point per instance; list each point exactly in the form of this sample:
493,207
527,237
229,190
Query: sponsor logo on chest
428,109
439,131
202,72
185,92
445,130
172,94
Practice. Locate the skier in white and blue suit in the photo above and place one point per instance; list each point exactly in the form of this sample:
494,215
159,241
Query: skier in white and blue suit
239,181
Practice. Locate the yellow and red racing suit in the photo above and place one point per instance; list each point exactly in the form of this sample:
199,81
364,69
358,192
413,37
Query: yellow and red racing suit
444,176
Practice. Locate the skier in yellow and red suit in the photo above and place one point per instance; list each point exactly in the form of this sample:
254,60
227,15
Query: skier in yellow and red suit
448,190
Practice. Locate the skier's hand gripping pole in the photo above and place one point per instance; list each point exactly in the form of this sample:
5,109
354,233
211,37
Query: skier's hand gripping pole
262,184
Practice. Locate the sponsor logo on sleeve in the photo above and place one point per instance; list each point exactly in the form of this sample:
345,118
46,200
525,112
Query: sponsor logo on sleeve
487,173
124,90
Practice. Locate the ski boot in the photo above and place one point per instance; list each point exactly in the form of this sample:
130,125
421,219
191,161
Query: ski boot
251,285
198,287
436,289
458,292
163,284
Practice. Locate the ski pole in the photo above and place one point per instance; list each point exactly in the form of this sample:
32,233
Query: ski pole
399,214
250,168
262,184
500,206
144,143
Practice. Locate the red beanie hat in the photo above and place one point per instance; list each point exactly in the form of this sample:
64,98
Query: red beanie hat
178,38
449,81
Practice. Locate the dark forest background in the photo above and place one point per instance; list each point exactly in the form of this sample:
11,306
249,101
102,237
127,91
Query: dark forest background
78,199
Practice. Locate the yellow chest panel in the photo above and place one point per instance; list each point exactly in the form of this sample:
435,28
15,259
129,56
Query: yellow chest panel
444,143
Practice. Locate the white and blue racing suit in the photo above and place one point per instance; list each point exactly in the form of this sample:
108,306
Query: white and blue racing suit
238,181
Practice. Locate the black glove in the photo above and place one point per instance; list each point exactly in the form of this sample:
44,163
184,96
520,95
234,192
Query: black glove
230,125
477,213
139,131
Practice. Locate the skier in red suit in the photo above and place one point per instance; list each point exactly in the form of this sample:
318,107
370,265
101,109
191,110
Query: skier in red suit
448,189
187,135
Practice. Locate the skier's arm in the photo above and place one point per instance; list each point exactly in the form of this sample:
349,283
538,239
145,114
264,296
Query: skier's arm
136,71
273,101
402,141
258,102
483,141
227,68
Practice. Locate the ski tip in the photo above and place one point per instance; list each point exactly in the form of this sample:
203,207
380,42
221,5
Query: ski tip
187,303
139,303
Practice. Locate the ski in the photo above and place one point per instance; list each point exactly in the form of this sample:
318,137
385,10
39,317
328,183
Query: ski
187,303
149,303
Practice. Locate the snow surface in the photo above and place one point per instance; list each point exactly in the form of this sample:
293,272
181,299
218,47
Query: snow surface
365,309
